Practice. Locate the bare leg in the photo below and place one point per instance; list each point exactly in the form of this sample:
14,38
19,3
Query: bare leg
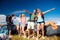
38,28
10,34
28,33
17,28
20,30
42,25
33,33
24,32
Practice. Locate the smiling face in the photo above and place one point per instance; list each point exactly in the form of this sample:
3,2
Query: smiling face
38,10
35,11
22,15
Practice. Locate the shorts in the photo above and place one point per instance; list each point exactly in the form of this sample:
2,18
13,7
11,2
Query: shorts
22,25
30,25
40,22
10,27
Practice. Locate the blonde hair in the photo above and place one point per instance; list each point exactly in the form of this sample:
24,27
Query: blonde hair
22,15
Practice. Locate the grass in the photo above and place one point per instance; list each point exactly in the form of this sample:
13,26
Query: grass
17,37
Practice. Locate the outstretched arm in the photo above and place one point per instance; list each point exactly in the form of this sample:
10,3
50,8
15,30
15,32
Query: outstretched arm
49,10
27,11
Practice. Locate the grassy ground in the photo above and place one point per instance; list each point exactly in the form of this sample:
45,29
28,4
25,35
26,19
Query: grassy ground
17,37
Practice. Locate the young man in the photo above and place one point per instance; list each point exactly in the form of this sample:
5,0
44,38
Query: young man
31,22
9,23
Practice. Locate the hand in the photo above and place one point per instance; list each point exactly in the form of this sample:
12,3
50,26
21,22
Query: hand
53,8
25,10
49,10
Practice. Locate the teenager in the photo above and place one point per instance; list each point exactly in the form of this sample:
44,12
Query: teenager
22,24
31,22
16,22
9,23
40,21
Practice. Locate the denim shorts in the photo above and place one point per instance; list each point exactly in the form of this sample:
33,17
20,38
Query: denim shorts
40,22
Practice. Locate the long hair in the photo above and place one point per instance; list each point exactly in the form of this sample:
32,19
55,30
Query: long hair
42,15
21,15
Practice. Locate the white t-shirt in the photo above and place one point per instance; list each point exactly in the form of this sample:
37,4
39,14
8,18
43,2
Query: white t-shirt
16,20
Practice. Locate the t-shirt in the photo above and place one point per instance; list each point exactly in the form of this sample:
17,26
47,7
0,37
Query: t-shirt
16,21
32,16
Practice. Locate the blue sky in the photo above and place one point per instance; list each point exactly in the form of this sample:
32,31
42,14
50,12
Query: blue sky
9,6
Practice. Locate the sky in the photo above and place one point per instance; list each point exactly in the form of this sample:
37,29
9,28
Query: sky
8,7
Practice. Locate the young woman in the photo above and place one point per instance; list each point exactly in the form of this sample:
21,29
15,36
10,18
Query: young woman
40,21
22,24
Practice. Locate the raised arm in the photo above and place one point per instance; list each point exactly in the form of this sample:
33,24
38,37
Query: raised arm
49,10
27,11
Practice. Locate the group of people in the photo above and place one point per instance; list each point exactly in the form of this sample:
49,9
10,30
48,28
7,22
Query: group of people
36,20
